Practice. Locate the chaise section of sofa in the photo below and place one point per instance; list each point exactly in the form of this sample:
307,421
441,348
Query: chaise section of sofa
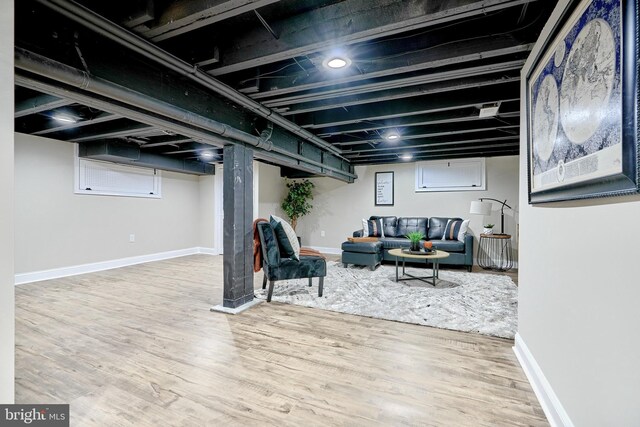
396,228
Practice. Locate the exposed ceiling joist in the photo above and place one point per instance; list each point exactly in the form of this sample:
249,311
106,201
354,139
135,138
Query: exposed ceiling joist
144,11
434,131
393,82
190,147
187,15
432,142
345,23
507,150
409,92
132,129
407,107
183,115
108,29
466,52
167,141
39,104
100,118
463,114
420,68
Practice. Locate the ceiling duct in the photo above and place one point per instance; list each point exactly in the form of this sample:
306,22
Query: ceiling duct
111,151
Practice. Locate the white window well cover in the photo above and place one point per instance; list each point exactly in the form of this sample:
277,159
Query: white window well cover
103,178
451,175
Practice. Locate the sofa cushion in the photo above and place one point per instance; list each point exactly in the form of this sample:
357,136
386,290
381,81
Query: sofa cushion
437,226
270,247
408,225
395,242
389,224
372,228
456,229
307,266
286,236
449,245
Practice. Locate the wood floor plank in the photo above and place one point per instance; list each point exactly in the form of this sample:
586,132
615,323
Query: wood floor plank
138,346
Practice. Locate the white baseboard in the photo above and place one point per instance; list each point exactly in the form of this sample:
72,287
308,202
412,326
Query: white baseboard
333,251
550,403
208,251
56,273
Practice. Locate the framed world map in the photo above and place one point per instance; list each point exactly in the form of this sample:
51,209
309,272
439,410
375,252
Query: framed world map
581,105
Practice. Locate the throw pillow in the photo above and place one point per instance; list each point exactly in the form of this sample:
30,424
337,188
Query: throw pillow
456,229
372,228
287,239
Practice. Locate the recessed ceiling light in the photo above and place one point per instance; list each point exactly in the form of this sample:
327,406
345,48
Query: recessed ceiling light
64,119
406,157
206,155
392,136
336,62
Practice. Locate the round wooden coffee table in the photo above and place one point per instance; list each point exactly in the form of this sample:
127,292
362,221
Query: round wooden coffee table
434,257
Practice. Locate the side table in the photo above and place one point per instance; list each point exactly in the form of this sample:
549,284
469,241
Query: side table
495,252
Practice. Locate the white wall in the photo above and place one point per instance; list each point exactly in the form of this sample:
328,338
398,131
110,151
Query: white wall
57,228
338,208
6,205
579,288
271,191
207,211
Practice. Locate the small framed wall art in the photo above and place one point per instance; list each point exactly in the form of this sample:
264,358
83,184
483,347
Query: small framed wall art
384,189
581,104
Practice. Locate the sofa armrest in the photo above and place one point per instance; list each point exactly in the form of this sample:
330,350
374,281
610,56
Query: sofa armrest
468,249
358,233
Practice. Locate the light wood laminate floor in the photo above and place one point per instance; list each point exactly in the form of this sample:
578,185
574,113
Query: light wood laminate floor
138,346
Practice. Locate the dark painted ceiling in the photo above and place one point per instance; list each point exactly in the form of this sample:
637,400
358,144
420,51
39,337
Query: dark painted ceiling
419,69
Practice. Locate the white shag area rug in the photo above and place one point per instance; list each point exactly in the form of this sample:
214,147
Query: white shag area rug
470,302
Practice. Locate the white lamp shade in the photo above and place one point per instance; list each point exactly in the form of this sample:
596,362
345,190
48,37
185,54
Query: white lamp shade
480,208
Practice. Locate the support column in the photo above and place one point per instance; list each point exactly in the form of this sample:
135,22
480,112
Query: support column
238,226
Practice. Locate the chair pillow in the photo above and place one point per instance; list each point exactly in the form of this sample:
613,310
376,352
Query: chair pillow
372,228
286,236
456,229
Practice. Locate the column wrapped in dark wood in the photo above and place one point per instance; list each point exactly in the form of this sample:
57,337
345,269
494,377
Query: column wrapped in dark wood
238,222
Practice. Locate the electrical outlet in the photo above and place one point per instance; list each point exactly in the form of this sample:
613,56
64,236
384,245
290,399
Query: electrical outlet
132,238
322,233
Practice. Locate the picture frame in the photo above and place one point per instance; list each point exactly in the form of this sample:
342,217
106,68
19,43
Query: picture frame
384,190
581,102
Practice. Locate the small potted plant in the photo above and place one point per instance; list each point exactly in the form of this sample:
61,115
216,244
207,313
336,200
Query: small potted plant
488,229
415,237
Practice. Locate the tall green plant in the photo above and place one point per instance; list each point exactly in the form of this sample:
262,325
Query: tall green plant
296,203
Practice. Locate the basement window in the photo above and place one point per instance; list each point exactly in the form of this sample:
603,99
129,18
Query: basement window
110,179
451,175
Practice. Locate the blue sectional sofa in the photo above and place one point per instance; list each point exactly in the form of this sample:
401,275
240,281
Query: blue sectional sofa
396,228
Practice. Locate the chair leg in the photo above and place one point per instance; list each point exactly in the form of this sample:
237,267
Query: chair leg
320,285
271,283
264,280
310,282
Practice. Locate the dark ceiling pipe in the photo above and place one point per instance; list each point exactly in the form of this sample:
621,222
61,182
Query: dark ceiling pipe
158,113
108,29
